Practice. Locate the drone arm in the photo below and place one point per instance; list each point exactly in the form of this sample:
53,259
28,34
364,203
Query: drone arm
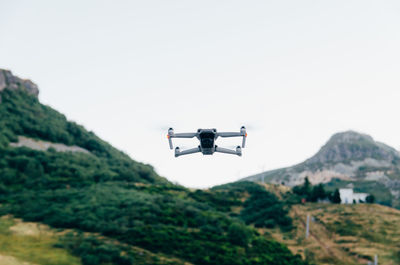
242,133
184,135
244,140
170,142
186,152
238,151
171,135
230,134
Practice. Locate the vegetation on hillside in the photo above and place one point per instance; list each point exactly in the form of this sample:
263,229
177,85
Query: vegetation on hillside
107,193
311,193
166,221
95,250
317,193
30,244
22,114
381,194
261,209
344,234
34,243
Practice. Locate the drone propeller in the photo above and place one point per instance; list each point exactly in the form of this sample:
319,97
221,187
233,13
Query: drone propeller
250,126
162,127
244,133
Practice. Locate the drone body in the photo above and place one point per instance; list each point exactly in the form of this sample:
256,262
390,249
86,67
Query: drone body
207,138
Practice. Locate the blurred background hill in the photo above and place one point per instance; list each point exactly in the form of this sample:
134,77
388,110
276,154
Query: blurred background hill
107,208
348,159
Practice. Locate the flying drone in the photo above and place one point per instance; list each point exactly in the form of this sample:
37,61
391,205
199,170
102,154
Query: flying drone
207,139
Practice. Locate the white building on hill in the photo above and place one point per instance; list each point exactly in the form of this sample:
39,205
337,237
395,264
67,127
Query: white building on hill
347,196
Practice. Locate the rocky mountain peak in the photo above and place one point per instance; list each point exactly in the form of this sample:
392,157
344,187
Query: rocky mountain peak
347,159
350,136
351,145
12,82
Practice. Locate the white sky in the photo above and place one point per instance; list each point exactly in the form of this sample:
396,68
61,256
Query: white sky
294,72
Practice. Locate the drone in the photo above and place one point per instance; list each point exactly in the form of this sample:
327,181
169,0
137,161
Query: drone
207,139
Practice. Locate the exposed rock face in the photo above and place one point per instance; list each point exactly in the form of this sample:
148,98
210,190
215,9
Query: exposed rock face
351,145
44,146
9,81
3,83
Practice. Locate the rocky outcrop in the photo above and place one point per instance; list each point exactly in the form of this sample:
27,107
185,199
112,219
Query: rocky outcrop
347,155
44,146
3,83
350,146
12,82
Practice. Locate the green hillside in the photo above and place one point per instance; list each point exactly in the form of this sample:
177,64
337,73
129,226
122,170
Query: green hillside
114,206
344,234
22,114
28,243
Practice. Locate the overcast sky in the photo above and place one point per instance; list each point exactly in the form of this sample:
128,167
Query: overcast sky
294,72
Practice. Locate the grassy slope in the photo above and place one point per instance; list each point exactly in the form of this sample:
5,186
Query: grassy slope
162,219
37,248
35,243
344,234
340,234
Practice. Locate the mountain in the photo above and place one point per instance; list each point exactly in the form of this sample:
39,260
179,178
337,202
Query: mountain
347,159
353,146
102,207
24,122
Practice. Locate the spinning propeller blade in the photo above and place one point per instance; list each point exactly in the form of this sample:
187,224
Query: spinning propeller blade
243,131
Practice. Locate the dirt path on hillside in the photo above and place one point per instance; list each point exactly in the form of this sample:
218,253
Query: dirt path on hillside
29,229
321,236
8,260
325,247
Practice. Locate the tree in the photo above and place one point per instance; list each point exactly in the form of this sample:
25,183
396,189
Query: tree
239,234
304,190
264,209
370,198
318,192
307,186
336,197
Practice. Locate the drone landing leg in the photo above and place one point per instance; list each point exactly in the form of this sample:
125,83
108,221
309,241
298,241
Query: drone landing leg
238,151
186,152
